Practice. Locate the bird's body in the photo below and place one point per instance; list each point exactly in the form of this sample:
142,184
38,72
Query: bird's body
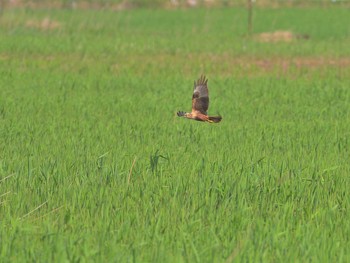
200,103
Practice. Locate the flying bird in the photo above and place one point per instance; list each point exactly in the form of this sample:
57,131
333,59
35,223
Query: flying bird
200,103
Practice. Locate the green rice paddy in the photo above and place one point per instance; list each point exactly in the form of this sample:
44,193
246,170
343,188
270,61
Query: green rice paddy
95,166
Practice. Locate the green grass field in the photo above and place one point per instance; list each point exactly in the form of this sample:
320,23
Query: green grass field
96,167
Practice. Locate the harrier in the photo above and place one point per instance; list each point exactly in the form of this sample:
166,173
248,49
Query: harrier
200,103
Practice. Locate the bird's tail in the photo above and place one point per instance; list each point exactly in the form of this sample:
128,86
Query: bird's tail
215,119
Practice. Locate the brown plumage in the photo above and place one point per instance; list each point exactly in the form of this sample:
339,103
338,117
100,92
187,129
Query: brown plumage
200,103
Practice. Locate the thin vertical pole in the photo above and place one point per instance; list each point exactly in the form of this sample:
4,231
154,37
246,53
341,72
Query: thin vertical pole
250,16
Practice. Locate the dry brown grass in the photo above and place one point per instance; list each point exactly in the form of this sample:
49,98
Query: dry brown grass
279,36
45,24
216,64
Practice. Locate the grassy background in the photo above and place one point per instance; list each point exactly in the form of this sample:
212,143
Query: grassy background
95,166
131,4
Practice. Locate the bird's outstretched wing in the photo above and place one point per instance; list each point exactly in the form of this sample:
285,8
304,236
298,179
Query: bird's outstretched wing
200,98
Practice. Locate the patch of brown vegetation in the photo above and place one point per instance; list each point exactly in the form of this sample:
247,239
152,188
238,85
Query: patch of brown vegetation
284,66
214,64
45,24
229,64
279,36
321,62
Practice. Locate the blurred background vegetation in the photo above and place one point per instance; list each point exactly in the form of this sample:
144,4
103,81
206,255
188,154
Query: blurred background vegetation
129,4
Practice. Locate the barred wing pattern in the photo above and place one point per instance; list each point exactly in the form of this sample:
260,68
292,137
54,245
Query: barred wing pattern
200,98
